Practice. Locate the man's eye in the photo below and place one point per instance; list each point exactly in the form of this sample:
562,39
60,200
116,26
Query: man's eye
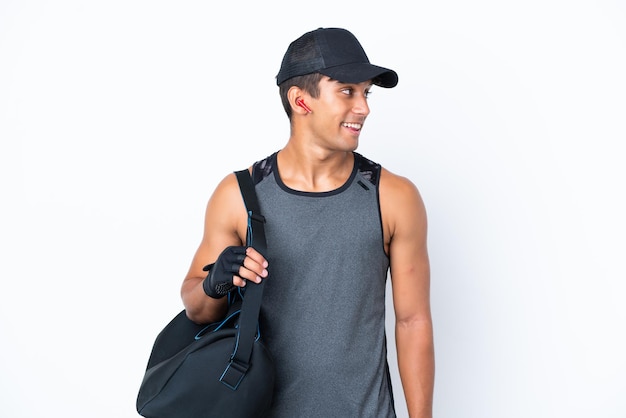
346,91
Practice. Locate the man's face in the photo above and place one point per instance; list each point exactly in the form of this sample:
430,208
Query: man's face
340,112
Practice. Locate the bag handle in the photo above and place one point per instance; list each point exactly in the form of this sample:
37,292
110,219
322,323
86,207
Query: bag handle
249,318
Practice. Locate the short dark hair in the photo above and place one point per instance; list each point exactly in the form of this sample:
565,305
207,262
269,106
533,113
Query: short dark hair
310,83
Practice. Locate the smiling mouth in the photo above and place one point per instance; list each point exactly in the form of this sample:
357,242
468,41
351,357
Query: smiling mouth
355,126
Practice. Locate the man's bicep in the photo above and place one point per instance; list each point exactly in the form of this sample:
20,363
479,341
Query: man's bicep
223,220
410,266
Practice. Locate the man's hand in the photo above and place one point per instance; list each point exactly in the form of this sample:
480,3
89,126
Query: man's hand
230,270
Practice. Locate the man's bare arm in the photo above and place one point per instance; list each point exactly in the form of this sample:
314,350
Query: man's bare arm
225,225
404,217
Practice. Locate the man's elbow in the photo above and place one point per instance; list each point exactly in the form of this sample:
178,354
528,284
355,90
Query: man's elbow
414,323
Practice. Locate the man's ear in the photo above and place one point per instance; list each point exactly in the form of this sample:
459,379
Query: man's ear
300,102
296,98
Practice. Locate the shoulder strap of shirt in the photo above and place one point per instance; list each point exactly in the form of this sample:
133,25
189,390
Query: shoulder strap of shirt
368,169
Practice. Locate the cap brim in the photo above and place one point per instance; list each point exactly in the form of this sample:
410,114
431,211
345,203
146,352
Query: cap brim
360,72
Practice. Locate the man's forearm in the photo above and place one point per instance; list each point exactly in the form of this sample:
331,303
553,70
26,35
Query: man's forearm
416,362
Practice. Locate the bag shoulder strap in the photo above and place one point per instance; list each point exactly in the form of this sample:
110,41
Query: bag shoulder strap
255,219
251,305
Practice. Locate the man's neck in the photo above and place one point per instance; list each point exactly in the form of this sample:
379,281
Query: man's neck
314,170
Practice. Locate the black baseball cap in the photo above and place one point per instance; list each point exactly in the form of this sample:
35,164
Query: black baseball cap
336,53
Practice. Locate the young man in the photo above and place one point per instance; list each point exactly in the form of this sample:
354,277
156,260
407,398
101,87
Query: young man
336,223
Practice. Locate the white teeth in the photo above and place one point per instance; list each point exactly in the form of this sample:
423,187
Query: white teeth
352,125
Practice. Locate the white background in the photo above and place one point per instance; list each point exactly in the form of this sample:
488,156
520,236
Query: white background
118,118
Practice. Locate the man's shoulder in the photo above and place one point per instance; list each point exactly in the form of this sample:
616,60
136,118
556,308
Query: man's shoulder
262,168
368,169
397,187
379,175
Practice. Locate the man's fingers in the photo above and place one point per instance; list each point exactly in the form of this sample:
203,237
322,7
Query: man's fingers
256,270
238,281
256,256
235,268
